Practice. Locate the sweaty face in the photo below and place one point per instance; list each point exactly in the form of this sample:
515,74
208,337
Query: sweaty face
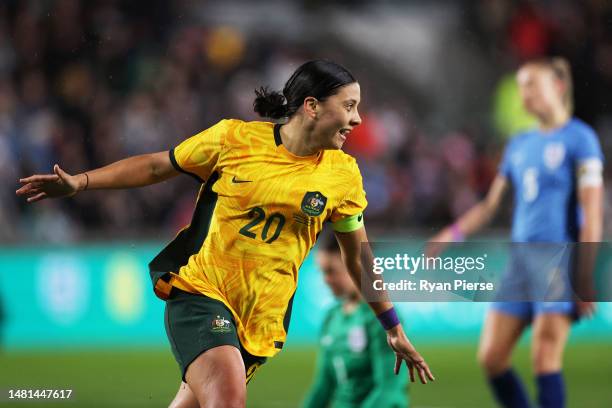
335,274
338,115
540,90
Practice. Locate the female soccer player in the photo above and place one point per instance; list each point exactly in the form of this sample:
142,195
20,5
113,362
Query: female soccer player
556,173
229,277
352,368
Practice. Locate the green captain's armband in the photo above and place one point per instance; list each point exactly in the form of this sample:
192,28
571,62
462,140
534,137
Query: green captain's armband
349,224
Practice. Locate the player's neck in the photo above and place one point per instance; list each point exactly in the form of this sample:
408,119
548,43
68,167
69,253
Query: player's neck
296,140
554,120
351,301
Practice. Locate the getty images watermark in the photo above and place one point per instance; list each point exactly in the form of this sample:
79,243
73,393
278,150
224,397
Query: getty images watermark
487,271
413,265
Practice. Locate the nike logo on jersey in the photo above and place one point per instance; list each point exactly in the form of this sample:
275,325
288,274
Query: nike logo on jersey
235,180
360,218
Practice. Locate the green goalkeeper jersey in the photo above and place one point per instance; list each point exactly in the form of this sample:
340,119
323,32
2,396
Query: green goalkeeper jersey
355,364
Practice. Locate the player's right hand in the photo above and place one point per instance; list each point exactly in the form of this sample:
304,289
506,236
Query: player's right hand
586,309
405,351
438,243
41,186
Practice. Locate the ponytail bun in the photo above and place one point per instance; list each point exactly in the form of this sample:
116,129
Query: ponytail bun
269,104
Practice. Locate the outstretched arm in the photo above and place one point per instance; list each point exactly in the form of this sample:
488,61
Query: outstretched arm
474,219
351,248
136,171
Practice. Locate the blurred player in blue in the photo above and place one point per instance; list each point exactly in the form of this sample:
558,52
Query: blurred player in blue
354,356
556,175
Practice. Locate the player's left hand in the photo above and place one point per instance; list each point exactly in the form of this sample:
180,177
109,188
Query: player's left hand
586,309
405,351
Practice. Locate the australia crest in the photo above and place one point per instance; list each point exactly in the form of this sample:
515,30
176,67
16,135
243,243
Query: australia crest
313,203
221,325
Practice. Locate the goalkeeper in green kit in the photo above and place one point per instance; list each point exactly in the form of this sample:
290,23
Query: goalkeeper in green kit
353,363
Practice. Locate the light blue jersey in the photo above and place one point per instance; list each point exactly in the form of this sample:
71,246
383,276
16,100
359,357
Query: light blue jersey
542,169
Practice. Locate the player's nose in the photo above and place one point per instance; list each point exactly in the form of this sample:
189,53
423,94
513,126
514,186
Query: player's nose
356,119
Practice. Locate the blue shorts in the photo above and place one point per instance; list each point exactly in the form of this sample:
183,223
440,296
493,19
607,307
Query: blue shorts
537,281
528,310
537,272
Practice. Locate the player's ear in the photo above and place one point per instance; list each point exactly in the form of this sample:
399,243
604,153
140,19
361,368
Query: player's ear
561,87
311,107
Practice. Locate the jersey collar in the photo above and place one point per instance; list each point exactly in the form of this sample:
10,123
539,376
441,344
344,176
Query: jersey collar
283,150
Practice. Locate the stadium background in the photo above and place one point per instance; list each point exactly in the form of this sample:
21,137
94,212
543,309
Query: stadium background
86,83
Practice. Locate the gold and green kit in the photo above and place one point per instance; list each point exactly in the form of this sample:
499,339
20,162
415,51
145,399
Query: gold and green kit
257,215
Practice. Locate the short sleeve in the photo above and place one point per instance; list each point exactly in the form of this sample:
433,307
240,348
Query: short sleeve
586,146
354,202
199,154
505,167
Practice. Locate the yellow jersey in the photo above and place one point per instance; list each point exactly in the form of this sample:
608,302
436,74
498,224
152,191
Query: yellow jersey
257,215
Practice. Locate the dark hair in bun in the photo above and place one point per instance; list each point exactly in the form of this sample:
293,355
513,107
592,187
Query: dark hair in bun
319,79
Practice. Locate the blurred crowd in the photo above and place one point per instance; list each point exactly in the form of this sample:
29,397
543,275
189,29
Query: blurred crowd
83,84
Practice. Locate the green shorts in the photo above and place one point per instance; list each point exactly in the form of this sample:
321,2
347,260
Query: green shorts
196,323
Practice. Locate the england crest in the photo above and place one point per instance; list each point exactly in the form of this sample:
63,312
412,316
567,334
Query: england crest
554,153
313,203
357,339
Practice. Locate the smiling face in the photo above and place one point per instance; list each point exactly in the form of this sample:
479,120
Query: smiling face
337,116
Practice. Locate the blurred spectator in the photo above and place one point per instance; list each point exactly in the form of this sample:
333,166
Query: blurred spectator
87,83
